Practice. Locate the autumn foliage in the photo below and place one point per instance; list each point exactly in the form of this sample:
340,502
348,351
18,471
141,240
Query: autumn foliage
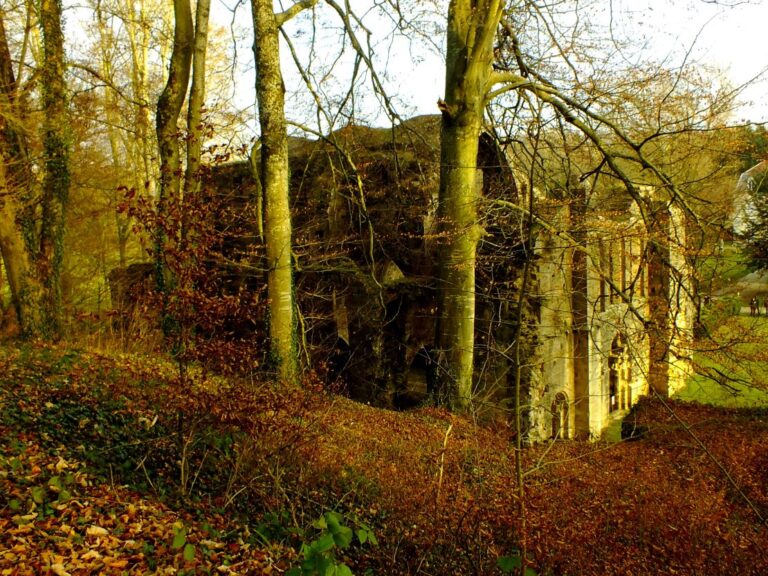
92,450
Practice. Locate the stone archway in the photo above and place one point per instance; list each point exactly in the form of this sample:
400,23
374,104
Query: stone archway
416,378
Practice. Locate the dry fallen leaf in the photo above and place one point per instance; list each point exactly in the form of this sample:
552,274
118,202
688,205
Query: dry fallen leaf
96,531
116,562
59,570
91,555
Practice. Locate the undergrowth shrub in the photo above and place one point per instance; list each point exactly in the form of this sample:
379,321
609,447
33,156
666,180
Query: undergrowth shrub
228,441
233,438
211,304
332,536
383,469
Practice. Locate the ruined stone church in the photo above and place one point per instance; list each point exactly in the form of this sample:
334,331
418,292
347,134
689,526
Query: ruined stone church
616,312
581,313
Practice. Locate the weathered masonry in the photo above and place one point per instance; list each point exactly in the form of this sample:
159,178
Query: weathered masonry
615,319
597,319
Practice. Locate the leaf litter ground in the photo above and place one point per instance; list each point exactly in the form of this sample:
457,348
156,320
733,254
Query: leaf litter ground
438,491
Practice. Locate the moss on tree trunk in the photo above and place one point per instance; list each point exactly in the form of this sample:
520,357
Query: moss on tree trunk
56,179
275,186
469,56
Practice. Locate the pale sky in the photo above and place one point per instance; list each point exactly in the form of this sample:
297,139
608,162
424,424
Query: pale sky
729,34
732,35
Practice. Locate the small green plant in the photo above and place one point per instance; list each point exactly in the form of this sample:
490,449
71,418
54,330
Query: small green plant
513,564
320,555
44,497
180,541
275,527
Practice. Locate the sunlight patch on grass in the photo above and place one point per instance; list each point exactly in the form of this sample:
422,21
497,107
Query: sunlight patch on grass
705,391
733,371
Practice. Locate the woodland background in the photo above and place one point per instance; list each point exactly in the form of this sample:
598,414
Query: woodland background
165,437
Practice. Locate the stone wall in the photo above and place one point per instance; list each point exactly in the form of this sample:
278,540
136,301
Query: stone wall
613,320
364,203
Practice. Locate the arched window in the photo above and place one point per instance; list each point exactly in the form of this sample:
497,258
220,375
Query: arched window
623,402
560,417
616,360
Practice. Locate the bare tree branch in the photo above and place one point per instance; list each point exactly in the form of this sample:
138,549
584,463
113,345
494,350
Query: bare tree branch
283,17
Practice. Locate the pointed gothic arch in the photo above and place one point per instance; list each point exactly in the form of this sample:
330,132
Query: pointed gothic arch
559,410
615,365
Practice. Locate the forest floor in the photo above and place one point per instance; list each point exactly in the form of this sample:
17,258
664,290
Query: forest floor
109,466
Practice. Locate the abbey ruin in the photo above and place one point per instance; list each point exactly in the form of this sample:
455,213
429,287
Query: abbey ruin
582,306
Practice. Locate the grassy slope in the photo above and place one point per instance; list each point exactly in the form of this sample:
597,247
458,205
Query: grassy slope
730,361
730,366
439,502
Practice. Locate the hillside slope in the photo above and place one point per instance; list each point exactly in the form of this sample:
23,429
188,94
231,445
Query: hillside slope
92,448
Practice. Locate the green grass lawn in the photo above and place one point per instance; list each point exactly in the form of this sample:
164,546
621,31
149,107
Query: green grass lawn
723,268
731,368
706,391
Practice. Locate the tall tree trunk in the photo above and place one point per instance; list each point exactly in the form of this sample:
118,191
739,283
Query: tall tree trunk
141,148
13,142
56,179
197,100
275,185
138,32
470,35
25,290
168,109
15,177
172,99
111,115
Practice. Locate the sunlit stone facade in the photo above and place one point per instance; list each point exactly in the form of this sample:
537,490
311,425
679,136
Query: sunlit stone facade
615,314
